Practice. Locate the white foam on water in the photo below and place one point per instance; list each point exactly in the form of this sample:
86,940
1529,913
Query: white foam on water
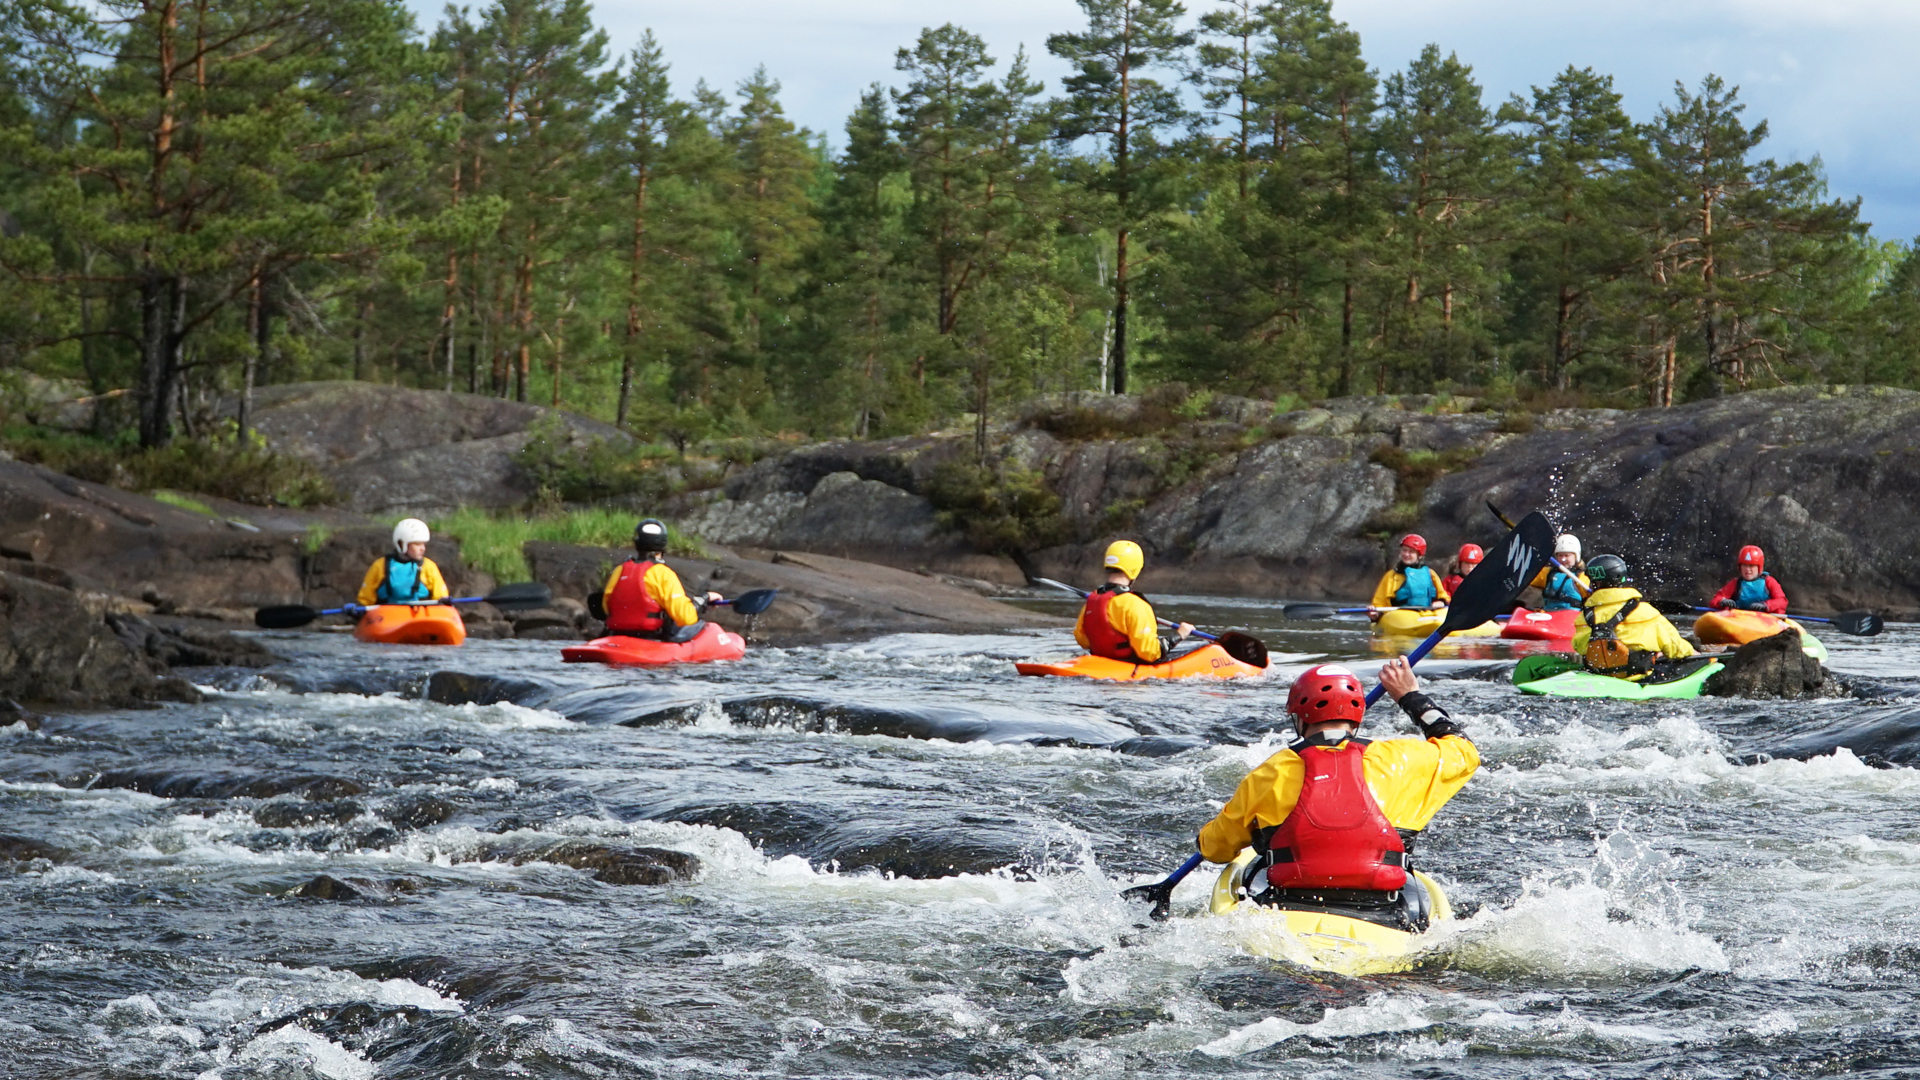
1618,916
1380,1014
86,798
505,714
293,1051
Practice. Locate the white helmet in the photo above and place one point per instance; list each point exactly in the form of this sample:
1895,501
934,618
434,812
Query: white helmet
409,531
1568,543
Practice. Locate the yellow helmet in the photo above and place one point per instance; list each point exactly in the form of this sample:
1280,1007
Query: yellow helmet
1125,556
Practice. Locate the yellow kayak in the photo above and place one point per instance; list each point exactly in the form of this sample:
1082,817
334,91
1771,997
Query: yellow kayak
1411,622
1337,943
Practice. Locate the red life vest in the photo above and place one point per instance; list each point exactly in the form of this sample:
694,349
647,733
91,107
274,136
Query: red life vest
1102,638
1451,583
630,608
1336,837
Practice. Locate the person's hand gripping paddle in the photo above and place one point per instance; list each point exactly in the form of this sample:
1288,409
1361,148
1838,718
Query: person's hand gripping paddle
1486,592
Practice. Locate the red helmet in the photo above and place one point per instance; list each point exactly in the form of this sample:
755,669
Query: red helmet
1327,692
1752,556
1470,555
1414,541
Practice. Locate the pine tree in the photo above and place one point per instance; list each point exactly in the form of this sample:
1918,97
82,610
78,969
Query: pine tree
1439,152
211,155
1573,220
1735,238
1110,96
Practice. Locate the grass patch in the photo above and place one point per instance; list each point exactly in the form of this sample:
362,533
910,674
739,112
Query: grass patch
496,542
183,502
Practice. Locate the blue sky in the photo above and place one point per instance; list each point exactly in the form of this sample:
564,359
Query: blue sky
1834,78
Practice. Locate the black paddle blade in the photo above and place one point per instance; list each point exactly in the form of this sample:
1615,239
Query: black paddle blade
520,596
1161,895
1861,623
1507,569
1245,648
755,601
1673,607
285,617
1308,611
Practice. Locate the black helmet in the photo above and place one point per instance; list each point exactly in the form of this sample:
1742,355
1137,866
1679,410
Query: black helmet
1607,571
650,536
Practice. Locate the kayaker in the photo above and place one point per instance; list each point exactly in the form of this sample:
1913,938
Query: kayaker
644,598
1117,622
405,575
1411,582
1754,589
1556,580
1337,837
1468,557
1620,633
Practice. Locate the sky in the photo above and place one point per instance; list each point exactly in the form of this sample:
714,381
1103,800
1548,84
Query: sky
1834,78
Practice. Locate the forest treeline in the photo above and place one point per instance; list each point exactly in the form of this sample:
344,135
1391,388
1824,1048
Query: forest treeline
201,196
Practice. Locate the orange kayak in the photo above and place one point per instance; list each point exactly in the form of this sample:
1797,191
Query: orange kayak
412,624
711,643
1541,625
1736,627
1208,660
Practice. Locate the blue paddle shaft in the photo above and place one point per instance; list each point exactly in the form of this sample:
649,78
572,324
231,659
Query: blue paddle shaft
1185,869
1418,654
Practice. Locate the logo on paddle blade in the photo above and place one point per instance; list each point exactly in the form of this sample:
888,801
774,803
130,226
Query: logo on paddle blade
1519,560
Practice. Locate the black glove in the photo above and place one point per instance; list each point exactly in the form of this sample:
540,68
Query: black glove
1431,719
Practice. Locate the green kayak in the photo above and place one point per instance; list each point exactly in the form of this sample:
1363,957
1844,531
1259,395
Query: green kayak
1561,675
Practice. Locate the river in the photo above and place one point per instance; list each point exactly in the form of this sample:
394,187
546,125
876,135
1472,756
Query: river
1647,889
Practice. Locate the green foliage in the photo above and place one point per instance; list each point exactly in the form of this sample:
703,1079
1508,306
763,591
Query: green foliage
220,464
575,469
1415,470
1001,510
505,208
496,543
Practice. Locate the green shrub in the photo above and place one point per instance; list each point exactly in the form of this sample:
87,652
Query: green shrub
496,543
574,469
1001,511
219,464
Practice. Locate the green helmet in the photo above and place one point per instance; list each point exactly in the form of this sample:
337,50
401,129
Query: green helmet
1607,571
650,536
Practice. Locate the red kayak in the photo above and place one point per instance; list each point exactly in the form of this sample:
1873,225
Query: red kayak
1542,625
711,643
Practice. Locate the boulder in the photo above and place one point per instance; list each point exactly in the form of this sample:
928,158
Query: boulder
54,649
1826,478
391,450
612,863
822,597
1772,667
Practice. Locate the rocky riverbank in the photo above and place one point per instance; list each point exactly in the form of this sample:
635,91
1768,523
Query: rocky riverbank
1230,496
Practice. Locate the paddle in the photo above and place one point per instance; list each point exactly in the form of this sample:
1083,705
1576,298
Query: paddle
1324,611
516,597
1242,647
1486,592
1555,563
1858,623
752,602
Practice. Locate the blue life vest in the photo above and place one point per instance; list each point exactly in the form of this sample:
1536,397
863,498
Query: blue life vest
403,584
1753,595
1421,588
1561,594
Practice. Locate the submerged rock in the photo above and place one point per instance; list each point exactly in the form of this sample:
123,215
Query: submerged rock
612,863
324,887
1772,667
173,784
25,849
